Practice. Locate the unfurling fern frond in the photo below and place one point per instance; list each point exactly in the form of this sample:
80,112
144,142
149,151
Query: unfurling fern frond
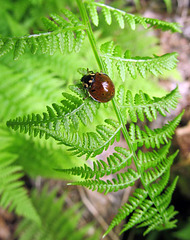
113,55
131,20
58,221
63,35
13,196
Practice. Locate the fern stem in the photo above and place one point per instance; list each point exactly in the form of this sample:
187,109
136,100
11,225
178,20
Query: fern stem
90,34
125,133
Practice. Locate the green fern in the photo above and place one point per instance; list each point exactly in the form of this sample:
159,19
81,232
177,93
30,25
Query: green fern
35,85
58,222
149,138
68,114
131,20
37,156
118,160
58,124
62,35
112,54
13,194
150,205
122,181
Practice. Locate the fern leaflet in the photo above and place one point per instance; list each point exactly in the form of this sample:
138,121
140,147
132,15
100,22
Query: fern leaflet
141,105
91,143
112,55
71,110
122,181
63,35
131,20
120,159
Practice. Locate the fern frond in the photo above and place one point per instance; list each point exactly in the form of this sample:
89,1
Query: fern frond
56,123
112,55
13,195
141,105
130,19
153,138
158,187
117,161
164,199
155,222
72,110
63,35
58,222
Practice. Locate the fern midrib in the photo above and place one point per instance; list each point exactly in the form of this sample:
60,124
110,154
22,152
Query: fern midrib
162,59
112,8
159,104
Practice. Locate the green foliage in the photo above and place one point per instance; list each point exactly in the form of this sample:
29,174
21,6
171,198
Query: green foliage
131,20
12,192
118,160
37,157
58,222
72,122
68,114
142,105
62,35
37,86
57,122
112,54
157,164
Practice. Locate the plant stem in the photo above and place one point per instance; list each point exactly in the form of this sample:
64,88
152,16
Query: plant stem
90,33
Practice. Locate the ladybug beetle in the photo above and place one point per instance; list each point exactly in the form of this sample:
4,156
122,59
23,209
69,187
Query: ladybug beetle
99,86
